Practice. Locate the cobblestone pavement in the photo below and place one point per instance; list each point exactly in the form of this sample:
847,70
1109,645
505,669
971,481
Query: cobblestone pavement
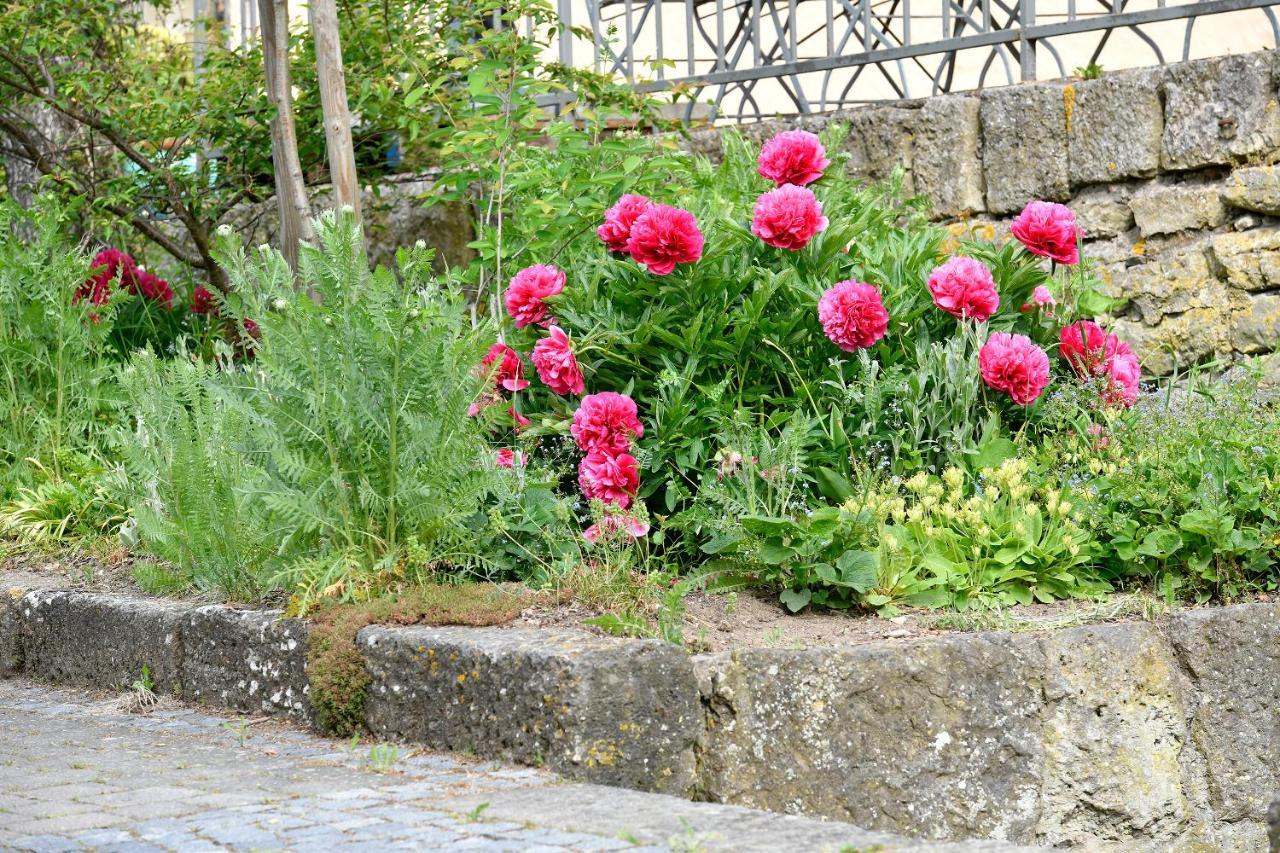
76,772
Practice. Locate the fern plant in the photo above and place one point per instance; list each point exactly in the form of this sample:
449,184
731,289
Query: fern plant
359,390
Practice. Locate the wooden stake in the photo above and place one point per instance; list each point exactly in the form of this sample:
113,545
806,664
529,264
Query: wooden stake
291,190
333,101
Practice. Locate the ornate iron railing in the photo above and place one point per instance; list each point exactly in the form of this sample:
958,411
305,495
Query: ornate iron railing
753,59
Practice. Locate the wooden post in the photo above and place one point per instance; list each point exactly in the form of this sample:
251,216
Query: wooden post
291,190
333,101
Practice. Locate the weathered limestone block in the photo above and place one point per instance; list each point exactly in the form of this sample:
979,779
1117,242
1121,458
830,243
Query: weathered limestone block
1114,125
616,712
251,661
1181,207
1273,824
1255,188
942,741
10,632
1179,340
704,142
1251,259
880,140
1170,284
1115,733
1232,655
92,640
1103,211
947,161
1220,111
1024,146
1257,323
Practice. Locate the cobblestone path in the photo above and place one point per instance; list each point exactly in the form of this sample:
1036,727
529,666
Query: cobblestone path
76,772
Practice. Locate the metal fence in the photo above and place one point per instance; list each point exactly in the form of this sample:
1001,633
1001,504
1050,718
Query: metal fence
754,59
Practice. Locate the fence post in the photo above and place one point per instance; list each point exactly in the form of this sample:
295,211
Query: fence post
1027,47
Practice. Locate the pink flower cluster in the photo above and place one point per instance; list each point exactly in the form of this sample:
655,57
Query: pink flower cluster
1094,353
112,265
503,364
1015,365
604,426
965,289
656,235
792,157
557,365
528,289
1048,230
853,315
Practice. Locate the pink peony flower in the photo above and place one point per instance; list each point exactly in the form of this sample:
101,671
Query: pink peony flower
527,290
508,458
509,373
1088,349
615,233
1048,230
611,525
1043,297
964,289
609,477
793,157
557,367
1015,365
853,315
1125,376
202,301
788,217
154,288
664,236
606,421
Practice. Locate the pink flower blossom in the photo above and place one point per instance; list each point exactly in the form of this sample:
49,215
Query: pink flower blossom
606,421
1100,438
508,458
202,301
557,366
527,290
1048,230
613,524
1088,349
520,420
793,157
1125,376
609,477
664,236
1043,296
615,233
964,288
153,287
853,315
1015,365
788,217
509,374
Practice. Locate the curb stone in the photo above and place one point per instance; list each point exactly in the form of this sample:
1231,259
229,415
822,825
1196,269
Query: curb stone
617,712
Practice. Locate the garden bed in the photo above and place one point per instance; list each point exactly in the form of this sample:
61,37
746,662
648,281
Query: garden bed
1160,733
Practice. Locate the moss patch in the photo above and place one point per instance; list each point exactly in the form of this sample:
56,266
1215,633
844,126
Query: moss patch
335,669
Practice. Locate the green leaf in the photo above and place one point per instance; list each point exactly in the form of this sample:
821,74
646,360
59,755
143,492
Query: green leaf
722,542
795,599
774,553
834,487
859,569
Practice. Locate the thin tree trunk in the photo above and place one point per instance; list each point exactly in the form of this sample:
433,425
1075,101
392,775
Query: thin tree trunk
291,191
333,101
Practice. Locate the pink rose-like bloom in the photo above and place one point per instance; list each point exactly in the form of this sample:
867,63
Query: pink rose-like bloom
202,301
154,288
1089,350
853,315
1041,298
664,236
1125,375
508,458
1015,365
1048,230
611,525
557,367
793,157
788,217
527,290
609,477
510,370
606,421
615,233
964,289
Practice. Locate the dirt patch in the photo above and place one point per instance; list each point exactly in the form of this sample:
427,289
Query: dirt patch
82,571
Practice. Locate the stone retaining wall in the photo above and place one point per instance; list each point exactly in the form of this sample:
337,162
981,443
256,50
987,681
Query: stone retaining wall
1133,736
1169,170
